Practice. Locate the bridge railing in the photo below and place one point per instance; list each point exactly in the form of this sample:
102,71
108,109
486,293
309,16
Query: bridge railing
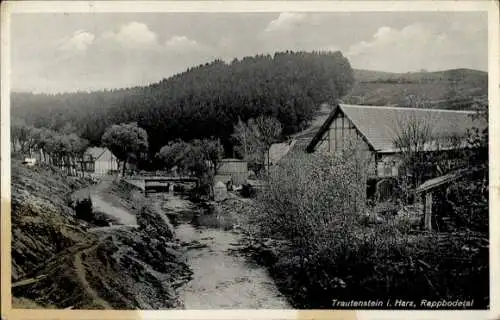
162,178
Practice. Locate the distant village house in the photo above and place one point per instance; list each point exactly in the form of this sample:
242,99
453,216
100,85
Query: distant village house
99,161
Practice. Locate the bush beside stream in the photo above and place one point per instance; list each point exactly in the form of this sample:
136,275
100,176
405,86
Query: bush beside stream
318,250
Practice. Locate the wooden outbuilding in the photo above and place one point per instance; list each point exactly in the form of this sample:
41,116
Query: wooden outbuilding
426,190
236,168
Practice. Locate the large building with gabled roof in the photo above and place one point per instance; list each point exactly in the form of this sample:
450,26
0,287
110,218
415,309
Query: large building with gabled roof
376,128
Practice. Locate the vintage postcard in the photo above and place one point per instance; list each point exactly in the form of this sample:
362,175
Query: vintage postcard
267,160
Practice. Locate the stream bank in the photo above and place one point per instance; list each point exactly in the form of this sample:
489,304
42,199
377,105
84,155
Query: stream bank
223,277
139,260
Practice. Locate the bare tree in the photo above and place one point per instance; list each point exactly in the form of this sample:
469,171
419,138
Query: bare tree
256,138
267,131
414,136
240,134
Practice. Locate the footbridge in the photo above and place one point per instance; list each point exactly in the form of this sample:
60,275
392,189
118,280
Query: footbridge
148,183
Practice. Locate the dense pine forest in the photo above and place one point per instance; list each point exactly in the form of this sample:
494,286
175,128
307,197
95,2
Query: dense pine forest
206,100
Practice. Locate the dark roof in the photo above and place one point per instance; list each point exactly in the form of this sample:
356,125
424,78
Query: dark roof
232,160
380,125
99,153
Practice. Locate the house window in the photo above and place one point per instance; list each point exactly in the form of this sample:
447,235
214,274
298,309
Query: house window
380,169
387,169
394,169
89,166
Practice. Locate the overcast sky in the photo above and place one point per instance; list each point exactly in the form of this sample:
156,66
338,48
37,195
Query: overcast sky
77,51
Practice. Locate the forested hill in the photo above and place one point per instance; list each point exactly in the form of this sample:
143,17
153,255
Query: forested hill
206,100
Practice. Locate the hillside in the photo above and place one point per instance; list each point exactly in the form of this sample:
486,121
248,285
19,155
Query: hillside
55,257
450,89
206,100
43,223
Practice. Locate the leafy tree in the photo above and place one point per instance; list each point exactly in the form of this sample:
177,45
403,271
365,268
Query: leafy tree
199,157
125,140
256,137
22,135
172,154
58,148
213,152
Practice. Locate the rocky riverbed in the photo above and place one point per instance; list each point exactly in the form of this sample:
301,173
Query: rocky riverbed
222,276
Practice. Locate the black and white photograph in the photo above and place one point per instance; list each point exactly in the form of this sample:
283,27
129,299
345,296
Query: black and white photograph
286,160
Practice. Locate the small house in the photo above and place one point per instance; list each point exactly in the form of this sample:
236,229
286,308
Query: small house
99,161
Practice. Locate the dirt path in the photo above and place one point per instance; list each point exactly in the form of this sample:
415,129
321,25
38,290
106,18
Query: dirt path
122,216
80,271
99,203
222,279
126,220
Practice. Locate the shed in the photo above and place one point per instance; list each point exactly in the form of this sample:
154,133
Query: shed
426,189
236,168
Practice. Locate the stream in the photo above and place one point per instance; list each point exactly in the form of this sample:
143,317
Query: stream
222,279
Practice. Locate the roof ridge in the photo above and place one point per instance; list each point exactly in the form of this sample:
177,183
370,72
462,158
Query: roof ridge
342,105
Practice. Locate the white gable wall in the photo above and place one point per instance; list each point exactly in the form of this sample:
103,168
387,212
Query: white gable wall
103,166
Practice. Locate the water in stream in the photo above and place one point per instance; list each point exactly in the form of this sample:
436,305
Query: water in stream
222,279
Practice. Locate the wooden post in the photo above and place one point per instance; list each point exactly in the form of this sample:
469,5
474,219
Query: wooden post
428,211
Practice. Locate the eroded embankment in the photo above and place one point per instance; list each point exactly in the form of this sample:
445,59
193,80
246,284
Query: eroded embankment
119,267
42,221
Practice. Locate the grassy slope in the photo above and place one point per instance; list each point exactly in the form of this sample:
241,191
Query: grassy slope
384,88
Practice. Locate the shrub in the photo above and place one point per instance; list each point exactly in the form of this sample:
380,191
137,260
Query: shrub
316,203
83,209
310,194
248,191
464,204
